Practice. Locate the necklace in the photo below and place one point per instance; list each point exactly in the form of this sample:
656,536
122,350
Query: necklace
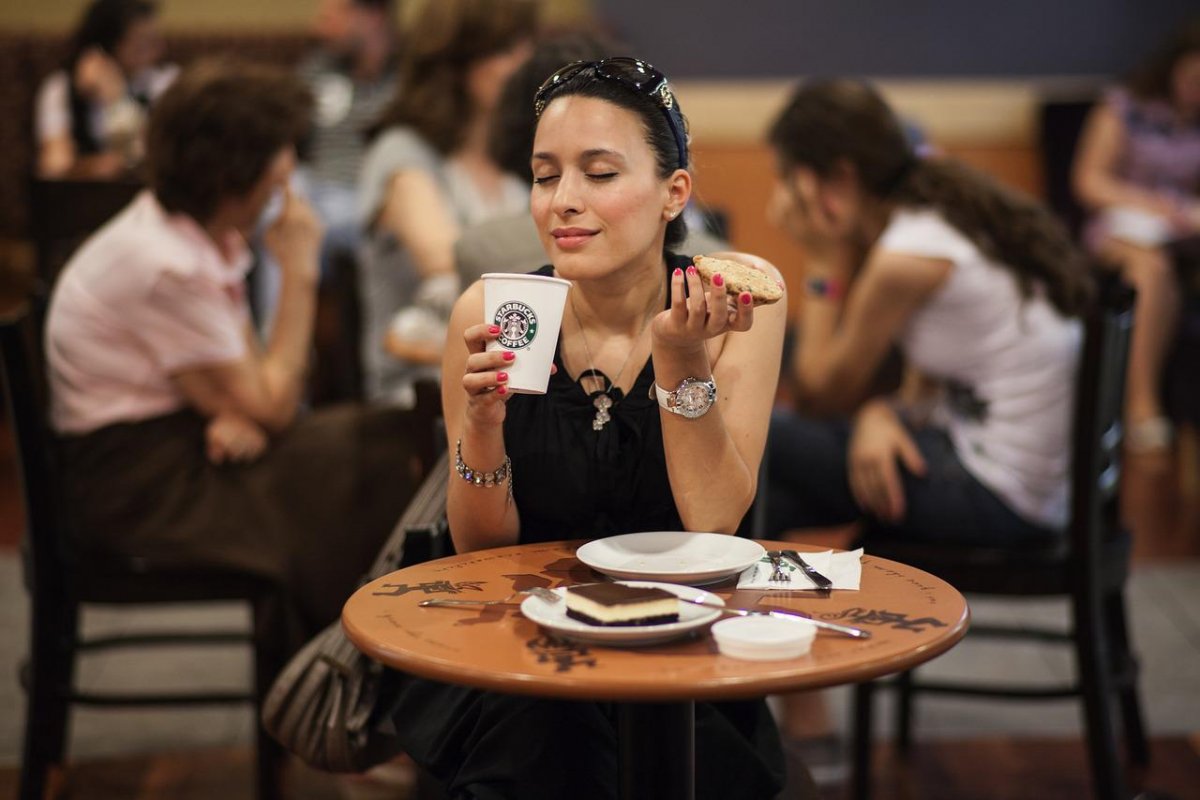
602,400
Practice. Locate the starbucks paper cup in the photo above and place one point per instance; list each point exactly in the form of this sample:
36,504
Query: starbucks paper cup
528,309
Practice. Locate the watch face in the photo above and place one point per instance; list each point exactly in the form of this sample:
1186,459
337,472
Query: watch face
694,399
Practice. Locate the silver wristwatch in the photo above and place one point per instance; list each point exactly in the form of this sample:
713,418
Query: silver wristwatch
691,399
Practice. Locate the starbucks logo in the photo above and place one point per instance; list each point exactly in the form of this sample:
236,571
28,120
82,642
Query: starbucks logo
518,324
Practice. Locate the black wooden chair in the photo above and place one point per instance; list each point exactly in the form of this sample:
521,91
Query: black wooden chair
1090,568
59,585
62,213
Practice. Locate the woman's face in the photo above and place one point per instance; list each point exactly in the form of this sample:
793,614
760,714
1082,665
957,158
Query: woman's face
141,47
597,199
810,208
1185,84
486,77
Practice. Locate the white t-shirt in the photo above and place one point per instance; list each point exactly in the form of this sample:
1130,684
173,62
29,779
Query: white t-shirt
147,296
52,111
1009,364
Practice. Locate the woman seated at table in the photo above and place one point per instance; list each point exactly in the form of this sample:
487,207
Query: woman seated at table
980,289
610,166
180,434
1138,171
90,114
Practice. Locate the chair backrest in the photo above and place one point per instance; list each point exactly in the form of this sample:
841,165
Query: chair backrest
1060,122
1099,404
62,213
26,394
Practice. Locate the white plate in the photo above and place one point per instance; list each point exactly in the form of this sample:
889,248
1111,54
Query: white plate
673,556
553,617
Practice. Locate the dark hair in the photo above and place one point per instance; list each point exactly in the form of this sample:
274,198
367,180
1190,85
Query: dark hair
586,83
1152,79
104,25
214,132
510,140
830,123
439,48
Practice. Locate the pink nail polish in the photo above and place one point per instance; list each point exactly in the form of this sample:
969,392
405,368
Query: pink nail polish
691,270
508,355
747,299
493,328
718,280
501,390
502,376
678,272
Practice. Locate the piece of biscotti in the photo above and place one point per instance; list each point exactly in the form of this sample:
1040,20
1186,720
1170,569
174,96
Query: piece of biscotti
618,604
740,278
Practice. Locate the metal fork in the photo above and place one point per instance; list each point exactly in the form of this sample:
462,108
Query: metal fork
778,575
539,592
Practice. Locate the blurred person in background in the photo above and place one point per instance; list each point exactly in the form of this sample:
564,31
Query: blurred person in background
180,433
979,287
89,115
511,243
1137,170
352,76
428,175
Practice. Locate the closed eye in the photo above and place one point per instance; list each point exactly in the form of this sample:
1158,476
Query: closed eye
603,176
545,179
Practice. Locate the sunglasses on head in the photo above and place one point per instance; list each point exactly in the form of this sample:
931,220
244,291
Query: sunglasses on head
635,75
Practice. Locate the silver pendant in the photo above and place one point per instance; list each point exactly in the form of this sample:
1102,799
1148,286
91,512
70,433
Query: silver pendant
602,403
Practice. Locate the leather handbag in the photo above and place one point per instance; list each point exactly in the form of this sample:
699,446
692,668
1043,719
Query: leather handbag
322,705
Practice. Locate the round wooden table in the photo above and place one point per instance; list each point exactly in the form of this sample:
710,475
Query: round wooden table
912,616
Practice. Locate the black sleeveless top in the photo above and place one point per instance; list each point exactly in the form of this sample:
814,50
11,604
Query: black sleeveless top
573,482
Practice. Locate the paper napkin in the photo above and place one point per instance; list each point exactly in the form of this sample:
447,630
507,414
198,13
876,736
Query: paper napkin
844,569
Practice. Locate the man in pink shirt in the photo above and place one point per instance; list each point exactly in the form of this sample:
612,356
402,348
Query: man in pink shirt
179,429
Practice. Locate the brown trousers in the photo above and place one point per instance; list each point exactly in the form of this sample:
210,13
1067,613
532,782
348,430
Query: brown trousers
310,514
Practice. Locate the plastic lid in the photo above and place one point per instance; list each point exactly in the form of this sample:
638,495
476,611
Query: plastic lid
764,638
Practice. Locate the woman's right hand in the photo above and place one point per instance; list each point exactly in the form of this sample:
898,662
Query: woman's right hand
485,376
99,77
878,444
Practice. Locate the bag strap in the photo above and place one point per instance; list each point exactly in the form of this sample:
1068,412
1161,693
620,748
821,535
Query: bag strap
426,511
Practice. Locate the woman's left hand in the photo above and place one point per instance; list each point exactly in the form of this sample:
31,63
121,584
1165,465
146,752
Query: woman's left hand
879,446
696,315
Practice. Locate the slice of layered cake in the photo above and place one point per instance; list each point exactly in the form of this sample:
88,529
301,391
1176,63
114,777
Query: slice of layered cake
618,604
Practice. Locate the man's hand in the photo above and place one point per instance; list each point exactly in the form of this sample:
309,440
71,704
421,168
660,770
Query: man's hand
231,437
295,237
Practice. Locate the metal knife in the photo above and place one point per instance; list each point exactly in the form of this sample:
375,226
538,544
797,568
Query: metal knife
820,580
857,633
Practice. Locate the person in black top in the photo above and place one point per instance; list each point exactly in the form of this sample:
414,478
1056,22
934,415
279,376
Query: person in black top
610,180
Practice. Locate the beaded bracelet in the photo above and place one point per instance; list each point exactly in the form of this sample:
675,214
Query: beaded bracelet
477,478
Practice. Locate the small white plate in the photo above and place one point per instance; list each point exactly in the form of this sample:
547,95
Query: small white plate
673,556
553,617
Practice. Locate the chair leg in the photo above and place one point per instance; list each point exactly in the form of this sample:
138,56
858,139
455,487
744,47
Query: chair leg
1125,664
1095,678
50,673
860,779
270,656
904,708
